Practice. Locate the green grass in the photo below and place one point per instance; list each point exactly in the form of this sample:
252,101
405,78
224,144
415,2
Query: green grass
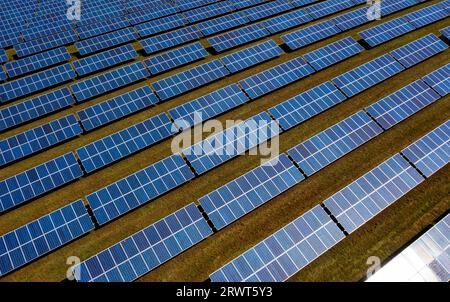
382,236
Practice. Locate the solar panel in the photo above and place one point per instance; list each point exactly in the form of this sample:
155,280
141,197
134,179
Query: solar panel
286,21
244,194
223,23
109,81
275,77
427,15
445,32
439,80
35,82
403,103
175,58
208,106
445,4
209,11
231,142
351,19
386,31
37,62
240,4
299,3
306,105
367,75
105,59
190,79
391,6
333,53
331,144
328,7
238,37
107,40
285,252
268,9
147,249
419,50
41,236
170,39
45,43
116,146
38,180
3,75
31,141
251,56
160,25
153,12
310,34
363,199
431,152
35,31
113,109
185,5
3,56
102,27
139,188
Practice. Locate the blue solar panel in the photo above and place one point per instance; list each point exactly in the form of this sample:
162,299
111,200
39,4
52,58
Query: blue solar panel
190,79
328,7
208,106
306,105
185,5
34,108
175,58
105,59
160,25
31,141
284,253
125,142
147,249
432,151
268,9
445,4
240,4
427,15
109,81
38,180
351,19
419,50
99,28
333,53
286,21
299,3
37,62
363,199
223,23
391,6
116,108
446,32
106,41
367,75
244,194
41,236
251,56
275,77
386,31
3,56
3,75
334,142
439,80
35,31
170,39
45,43
310,34
238,37
206,12
403,103
154,12
231,142
139,188
36,82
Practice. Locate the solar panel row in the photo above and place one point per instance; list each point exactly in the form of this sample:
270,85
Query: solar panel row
439,80
268,9
386,31
223,23
209,11
352,19
310,34
45,43
328,7
427,15
160,25
102,27
286,21
238,37
107,40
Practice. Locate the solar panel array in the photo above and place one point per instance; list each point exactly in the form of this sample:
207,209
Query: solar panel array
331,144
209,11
125,142
244,194
3,56
431,152
268,9
45,43
286,21
328,7
223,23
400,105
285,252
427,15
439,80
238,37
160,25
352,19
310,34
31,141
386,31
136,189
43,235
170,39
146,249
95,29
104,41
38,180
446,32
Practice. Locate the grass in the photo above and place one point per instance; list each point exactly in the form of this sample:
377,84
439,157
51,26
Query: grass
382,236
